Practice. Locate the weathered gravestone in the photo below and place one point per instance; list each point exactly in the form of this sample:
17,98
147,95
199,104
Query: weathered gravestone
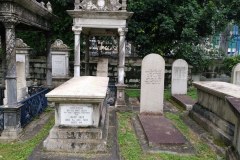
152,84
60,62
236,74
179,77
102,67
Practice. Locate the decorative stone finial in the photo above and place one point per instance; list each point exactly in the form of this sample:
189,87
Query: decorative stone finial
43,4
21,44
59,45
49,7
115,5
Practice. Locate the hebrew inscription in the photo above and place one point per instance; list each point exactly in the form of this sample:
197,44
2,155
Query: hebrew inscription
179,72
153,76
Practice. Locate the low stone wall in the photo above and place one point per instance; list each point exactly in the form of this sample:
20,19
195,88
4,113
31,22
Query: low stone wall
38,69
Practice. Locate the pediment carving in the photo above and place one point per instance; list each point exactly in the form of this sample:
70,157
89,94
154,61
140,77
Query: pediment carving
98,5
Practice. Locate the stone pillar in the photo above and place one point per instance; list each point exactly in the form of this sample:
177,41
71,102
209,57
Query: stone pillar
87,57
11,111
3,46
11,78
77,33
49,60
120,102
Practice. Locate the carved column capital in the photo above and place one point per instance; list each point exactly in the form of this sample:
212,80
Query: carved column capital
77,29
122,31
10,23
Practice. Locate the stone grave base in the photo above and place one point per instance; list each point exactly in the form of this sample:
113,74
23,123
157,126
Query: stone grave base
157,134
183,100
220,128
78,140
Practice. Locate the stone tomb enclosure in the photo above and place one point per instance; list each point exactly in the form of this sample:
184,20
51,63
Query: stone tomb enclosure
179,77
152,84
212,110
236,74
80,116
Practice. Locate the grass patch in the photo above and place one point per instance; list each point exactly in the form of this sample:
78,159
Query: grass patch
131,150
133,93
21,150
192,92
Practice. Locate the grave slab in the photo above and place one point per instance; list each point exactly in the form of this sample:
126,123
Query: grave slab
160,130
184,100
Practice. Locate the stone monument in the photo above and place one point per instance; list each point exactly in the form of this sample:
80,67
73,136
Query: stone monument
81,119
179,77
236,74
60,62
152,84
102,67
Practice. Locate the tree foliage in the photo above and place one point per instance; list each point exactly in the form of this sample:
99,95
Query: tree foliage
162,26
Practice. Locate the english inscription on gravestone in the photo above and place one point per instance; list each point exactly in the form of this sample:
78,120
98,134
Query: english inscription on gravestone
152,84
76,115
58,65
179,77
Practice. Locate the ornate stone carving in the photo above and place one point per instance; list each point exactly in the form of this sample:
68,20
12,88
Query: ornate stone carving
49,7
20,44
59,45
98,5
115,5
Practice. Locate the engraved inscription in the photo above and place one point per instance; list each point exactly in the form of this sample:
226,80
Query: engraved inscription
179,72
153,76
58,65
76,115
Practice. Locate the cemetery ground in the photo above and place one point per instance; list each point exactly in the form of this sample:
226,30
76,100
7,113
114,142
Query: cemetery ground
129,145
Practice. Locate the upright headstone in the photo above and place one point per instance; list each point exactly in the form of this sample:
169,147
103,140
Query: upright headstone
236,74
21,81
152,84
102,67
60,62
179,77
60,59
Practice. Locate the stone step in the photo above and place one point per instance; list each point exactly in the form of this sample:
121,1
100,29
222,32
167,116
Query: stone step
76,133
76,146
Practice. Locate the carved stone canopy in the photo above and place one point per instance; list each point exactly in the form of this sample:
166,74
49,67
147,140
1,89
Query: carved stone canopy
99,5
59,45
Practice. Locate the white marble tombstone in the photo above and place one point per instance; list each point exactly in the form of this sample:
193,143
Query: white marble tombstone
21,81
179,77
236,74
152,84
60,59
102,67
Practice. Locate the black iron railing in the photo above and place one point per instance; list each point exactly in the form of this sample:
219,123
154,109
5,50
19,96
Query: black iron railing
1,120
33,106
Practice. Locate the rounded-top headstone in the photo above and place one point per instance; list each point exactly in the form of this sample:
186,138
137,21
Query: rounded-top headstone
152,84
179,77
236,74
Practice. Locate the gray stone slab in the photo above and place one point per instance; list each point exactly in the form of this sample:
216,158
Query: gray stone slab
160,130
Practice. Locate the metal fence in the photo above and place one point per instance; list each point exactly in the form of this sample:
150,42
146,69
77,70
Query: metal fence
1,120
33,106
